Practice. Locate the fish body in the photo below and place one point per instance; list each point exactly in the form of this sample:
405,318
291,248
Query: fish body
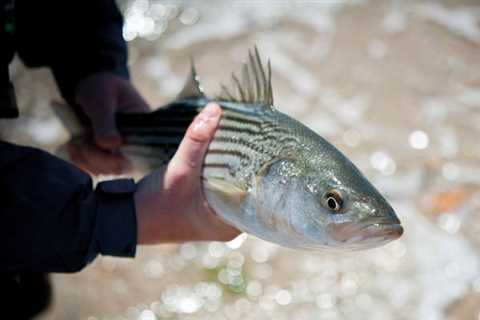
266,173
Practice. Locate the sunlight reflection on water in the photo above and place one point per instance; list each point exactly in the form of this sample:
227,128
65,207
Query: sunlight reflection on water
404,109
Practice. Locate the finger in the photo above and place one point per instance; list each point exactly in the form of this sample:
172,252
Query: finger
105,130
96,161
192,149
132,101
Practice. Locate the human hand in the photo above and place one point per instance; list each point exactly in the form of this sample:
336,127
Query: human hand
90,158
169,202
101,96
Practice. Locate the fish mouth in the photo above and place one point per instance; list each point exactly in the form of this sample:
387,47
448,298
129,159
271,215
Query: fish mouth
368,233
390,230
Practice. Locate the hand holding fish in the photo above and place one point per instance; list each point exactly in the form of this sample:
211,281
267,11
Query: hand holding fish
101,96
169,202
90,158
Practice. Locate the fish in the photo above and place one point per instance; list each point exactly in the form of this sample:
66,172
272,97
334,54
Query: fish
266,173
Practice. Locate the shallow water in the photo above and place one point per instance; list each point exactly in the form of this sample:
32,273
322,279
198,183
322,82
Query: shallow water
393,84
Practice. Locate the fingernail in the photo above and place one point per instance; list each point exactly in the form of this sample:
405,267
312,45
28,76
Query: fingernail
212,110
208,115
199,124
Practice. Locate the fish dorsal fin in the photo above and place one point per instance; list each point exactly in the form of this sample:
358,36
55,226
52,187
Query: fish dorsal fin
255,85
192,88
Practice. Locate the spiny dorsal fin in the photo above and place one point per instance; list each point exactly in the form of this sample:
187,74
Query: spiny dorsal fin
192,88
255,85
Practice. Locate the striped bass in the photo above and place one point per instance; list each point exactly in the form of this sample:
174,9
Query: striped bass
266,173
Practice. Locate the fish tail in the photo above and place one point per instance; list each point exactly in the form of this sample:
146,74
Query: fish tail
164,127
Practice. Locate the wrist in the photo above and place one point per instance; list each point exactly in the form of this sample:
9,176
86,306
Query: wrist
159,222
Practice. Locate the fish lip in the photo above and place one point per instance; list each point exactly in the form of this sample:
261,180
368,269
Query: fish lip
390,230
382,230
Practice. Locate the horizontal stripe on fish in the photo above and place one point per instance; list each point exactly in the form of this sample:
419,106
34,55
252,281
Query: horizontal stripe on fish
217,165
165,123
235,143
240,108
273,127
241,118
228,152
243,125
236,129
233,159
153,140
137,121
266,125
154,130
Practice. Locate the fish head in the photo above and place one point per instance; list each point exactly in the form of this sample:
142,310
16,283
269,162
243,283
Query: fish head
353,214
346,211
326,203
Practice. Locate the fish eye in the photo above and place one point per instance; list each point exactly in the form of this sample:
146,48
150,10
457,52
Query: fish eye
334,200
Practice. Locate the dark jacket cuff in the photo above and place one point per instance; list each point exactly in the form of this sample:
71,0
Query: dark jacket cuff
116,227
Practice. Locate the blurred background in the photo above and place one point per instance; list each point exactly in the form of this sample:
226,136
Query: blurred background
395,85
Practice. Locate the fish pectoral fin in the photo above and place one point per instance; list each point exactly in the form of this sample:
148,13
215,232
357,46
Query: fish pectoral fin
229,193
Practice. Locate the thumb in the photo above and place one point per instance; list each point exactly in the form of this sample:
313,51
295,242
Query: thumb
189,157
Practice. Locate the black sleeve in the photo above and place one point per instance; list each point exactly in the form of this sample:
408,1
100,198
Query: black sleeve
50,218
74,38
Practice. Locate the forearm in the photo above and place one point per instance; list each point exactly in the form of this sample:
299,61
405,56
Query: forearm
52,219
